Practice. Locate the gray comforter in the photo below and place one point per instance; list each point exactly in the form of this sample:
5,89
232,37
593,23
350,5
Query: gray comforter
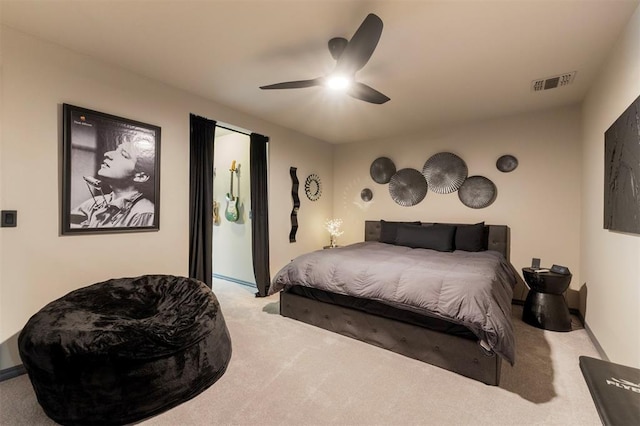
469,288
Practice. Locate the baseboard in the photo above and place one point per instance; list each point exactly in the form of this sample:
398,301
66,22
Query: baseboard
601,352
235,280
579,315
11,372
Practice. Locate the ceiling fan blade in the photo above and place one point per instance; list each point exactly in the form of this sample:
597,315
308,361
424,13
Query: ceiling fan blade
295,84
365,93
361,46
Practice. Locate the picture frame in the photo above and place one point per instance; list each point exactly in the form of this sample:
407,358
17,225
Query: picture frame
621,170
110,173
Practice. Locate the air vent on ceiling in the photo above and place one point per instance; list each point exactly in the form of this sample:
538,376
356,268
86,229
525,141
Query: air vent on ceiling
553,82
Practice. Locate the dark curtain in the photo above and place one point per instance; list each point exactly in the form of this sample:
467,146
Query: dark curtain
260,213
201,198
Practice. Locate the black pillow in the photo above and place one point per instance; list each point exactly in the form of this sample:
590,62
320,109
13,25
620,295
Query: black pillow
389,230
471,237
439,238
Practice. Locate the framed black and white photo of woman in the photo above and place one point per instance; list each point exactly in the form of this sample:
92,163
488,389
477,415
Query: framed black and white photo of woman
111,173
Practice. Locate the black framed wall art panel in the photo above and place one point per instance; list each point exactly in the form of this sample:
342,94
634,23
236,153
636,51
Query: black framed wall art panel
622,172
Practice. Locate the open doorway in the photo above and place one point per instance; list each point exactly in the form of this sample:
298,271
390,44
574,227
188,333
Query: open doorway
251,206
232,239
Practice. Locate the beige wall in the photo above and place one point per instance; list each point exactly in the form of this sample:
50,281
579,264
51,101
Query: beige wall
539,200
314,158
37,264
610,260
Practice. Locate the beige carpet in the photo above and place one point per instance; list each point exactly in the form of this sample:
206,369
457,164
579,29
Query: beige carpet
284,372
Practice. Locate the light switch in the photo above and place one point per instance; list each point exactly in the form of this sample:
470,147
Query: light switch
9,218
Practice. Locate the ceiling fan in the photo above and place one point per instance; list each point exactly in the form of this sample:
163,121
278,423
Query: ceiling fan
351,56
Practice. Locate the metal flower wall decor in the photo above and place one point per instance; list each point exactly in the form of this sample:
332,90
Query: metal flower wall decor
313,187
442,173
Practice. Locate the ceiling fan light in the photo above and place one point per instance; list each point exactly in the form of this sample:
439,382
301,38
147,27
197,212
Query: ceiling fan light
338,82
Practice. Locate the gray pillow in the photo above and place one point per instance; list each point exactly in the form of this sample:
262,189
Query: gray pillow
440,238
389,230
471,237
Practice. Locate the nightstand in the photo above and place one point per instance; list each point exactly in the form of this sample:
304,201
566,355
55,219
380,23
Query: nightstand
545,306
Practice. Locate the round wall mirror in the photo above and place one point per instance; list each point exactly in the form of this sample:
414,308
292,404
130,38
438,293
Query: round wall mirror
313,187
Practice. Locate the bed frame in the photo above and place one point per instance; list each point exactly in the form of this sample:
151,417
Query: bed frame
457,354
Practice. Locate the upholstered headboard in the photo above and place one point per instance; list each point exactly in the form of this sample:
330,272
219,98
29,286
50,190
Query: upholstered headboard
499,235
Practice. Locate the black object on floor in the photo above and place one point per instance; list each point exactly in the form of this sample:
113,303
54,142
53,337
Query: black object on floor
545,306
615,390
125,349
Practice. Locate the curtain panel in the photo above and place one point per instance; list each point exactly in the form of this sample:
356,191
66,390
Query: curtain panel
260,213
201,198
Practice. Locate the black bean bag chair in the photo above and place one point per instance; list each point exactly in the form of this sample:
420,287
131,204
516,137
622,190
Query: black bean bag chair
125,349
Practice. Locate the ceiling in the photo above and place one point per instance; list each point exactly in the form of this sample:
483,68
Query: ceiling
440,62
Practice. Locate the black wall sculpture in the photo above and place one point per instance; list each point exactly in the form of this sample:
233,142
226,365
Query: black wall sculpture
407,187
445,172
296,204
507,163
477,192
442,173
382,169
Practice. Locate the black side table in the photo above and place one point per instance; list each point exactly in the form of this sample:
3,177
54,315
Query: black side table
545,306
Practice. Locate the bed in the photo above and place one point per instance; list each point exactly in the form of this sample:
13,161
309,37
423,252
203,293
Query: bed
439,293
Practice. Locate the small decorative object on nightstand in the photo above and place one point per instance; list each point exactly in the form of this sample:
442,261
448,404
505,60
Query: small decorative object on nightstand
545,306
333,226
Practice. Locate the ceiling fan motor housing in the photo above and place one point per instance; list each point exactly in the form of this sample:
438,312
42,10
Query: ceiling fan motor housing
336,46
